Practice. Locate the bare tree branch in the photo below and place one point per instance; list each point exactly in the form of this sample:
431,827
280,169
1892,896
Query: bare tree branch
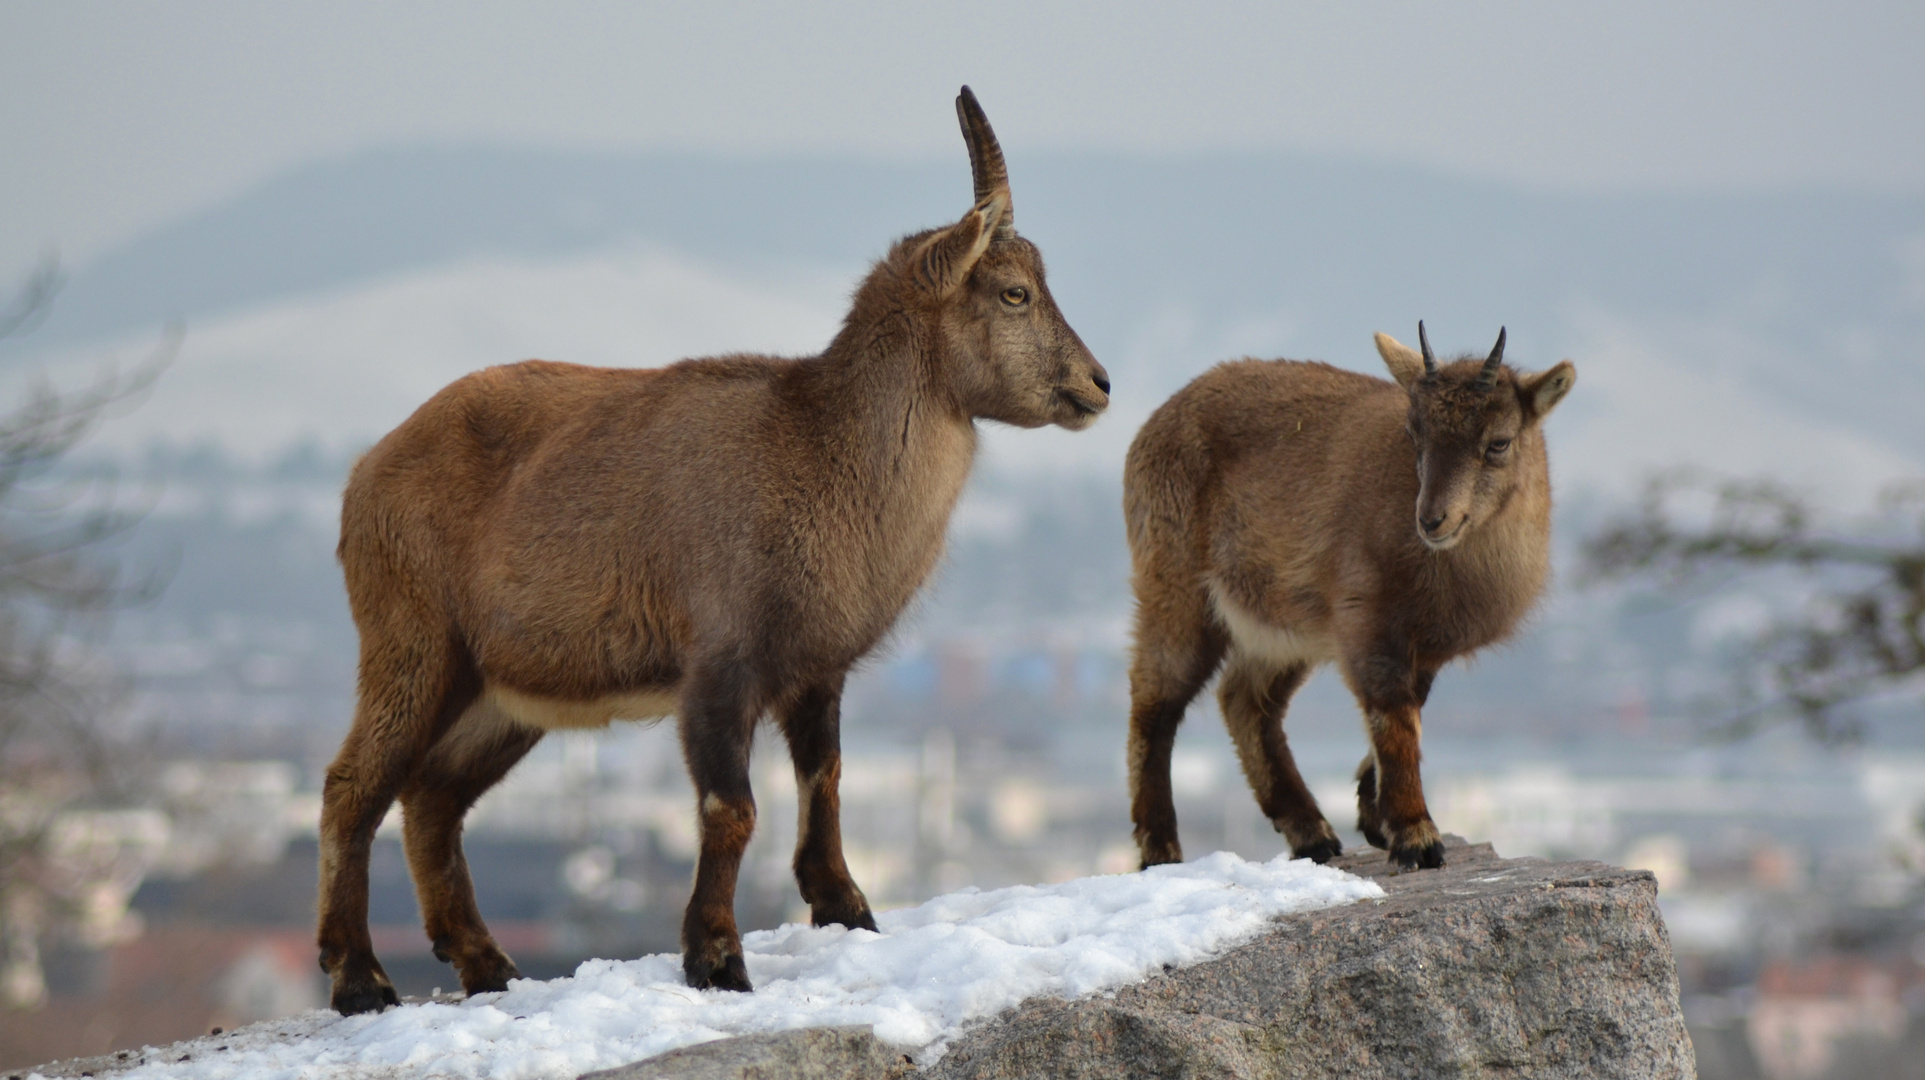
1861,633
58,750
34,300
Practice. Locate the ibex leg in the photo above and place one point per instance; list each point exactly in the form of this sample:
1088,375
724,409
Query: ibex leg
1391,811
1178,647
471,758
1254,697
408,695
717,723
813,726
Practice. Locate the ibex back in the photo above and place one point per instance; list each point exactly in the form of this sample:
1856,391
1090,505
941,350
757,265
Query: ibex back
548,546
1283,515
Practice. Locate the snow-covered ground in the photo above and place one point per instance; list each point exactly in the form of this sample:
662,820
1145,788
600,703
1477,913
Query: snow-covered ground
932,971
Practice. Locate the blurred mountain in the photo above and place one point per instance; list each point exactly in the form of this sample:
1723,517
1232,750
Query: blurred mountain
1786,317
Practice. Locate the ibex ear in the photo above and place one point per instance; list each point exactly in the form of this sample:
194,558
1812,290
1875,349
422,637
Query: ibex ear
1541,392
947,257
1405,365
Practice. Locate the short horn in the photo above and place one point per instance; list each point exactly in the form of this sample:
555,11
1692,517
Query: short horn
1430,358
1487,378
985,158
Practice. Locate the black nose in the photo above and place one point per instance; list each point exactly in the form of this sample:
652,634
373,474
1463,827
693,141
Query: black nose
1431,525
1102,381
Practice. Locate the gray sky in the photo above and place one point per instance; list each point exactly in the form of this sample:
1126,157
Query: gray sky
119,116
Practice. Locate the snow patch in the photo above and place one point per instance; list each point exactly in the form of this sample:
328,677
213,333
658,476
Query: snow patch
934,970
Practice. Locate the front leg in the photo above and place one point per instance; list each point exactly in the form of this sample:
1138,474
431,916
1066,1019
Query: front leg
716,723
1391,811
812,723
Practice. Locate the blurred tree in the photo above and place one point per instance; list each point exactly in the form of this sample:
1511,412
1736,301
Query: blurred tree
1857,625
62,859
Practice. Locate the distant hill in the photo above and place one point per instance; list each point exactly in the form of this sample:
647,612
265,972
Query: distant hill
1812,301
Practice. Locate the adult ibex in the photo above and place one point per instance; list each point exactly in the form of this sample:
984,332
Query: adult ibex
546,546
1270,512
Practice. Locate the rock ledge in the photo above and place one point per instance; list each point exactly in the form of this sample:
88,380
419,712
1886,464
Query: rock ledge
1488,967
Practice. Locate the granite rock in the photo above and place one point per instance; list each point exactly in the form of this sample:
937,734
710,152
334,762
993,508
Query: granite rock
824,1053
1487,967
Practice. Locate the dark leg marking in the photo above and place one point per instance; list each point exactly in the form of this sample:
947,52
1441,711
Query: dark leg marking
717,723
1254,698
1391,810
1169,666
408,696
470,759
812,725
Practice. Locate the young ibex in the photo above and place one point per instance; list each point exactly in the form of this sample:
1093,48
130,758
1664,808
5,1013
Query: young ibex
1270,513
548,546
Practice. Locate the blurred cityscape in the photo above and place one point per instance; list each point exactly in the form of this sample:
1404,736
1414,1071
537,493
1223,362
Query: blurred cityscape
1790,874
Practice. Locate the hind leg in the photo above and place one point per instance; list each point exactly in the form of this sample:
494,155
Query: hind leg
409,692
1254,697
471,758
813,727
1368,821
1178,647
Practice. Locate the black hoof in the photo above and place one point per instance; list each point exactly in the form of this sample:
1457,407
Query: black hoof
859,920
1374,836
487,975
366,998
1320,851
1423,857
490,985
1159,853
731,974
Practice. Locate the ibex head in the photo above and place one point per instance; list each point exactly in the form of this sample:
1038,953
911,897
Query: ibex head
1475,424
1009,354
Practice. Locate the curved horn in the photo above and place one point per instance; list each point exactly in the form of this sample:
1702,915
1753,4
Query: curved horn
985,159
1430,358
1487,378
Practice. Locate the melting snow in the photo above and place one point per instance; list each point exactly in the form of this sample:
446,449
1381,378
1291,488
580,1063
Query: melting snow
932,971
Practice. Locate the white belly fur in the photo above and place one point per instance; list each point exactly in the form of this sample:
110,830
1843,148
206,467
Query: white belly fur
552,714
1260,640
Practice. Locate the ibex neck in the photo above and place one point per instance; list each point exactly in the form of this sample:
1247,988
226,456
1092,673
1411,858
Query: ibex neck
891,455
880,389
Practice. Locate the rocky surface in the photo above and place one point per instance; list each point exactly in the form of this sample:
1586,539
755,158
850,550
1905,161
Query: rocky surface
824,1053
1488,967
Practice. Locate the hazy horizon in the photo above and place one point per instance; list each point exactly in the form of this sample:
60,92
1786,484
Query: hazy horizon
125,115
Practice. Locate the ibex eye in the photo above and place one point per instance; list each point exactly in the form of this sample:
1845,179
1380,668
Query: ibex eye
1015,295
1498,446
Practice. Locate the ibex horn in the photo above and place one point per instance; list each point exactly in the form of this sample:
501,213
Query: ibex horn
1487,378
1430,358
985,159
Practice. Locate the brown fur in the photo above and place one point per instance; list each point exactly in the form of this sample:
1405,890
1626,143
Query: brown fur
545,545
1270,514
